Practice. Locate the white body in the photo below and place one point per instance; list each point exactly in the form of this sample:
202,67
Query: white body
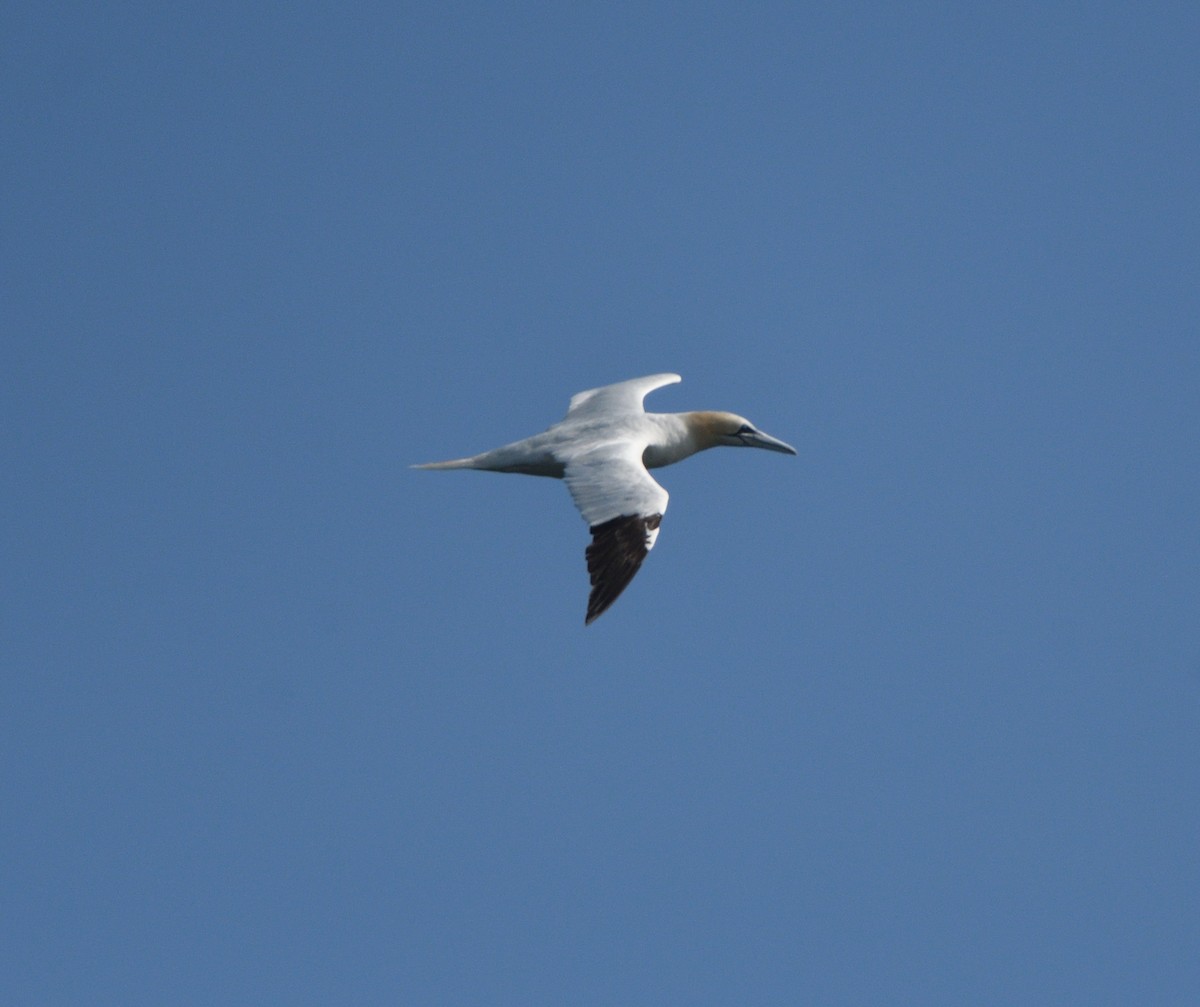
603,448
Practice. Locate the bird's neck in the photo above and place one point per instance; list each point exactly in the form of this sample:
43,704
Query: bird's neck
680,435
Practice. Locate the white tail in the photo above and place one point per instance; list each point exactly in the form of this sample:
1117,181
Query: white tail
457,463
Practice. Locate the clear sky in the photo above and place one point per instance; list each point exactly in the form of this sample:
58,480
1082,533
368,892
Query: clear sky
909,719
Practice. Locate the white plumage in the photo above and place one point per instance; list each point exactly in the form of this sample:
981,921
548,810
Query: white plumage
602,449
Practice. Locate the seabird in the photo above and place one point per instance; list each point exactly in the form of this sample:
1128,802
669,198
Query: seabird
602,449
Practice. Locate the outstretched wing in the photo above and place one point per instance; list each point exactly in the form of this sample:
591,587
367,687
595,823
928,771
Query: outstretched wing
623,397
623,507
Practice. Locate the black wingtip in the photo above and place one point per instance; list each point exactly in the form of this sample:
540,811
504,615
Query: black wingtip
618,548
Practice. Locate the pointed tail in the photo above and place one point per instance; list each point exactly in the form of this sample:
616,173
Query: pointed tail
457,463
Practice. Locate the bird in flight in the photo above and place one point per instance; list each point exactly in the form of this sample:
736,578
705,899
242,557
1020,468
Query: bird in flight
602,450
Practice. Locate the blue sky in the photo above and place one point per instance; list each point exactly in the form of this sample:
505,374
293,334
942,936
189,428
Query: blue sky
910,718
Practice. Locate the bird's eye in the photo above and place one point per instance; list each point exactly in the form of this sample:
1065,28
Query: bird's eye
745,429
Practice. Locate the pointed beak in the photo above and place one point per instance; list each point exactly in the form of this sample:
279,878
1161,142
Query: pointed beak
760,440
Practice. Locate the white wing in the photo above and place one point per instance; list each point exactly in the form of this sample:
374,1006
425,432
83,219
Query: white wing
610,481
623,507
623,397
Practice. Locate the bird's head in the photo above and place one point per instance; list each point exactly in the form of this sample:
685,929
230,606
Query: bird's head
735,431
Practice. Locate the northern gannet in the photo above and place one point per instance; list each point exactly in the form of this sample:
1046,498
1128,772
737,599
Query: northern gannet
602,449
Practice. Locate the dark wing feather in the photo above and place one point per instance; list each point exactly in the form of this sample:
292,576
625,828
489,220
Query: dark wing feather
618,548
